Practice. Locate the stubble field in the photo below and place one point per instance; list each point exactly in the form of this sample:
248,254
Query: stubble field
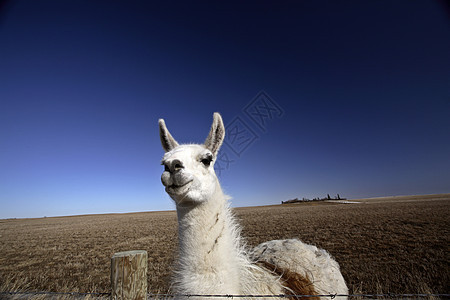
384,245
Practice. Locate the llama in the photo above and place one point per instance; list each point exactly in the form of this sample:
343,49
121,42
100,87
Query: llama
212,257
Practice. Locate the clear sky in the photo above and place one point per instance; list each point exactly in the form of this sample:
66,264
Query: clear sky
353,98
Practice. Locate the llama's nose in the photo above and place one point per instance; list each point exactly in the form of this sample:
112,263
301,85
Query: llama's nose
173,166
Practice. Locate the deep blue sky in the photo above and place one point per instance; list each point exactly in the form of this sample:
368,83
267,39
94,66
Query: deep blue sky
363,89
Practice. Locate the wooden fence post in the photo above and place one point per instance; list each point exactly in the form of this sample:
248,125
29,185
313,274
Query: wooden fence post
129,275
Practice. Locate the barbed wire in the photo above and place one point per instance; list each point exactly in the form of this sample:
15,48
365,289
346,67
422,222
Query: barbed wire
331,296
74,294
153,296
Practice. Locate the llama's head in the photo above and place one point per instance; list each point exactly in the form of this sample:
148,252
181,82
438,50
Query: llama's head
189,175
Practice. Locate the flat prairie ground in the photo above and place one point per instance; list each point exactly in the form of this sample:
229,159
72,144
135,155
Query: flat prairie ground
383,245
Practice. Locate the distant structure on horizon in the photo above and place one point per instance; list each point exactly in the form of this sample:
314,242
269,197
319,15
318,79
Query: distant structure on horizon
296,200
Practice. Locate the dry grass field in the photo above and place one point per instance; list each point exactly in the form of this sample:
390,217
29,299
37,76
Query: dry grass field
396,245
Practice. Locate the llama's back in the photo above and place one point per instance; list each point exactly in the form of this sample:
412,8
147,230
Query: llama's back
309,262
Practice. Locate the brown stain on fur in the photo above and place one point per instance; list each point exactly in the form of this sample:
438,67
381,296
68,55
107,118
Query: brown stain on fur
217,239
215,222
295,284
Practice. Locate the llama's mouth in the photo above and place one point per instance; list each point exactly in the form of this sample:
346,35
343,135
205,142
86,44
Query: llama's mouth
173,188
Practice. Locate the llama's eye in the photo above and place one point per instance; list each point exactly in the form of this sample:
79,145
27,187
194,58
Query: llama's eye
206,161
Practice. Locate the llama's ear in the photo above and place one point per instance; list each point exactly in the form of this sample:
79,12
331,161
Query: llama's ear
216,134
167,140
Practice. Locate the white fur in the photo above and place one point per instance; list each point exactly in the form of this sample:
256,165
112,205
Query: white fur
306,260
212,257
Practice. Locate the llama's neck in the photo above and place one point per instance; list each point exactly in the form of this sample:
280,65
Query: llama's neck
209,248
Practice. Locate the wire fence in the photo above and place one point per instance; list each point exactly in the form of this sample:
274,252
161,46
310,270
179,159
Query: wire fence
52,294
24,295
331,296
